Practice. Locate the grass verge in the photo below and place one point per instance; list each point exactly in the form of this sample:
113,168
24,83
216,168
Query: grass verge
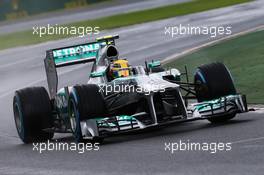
244,56
26,37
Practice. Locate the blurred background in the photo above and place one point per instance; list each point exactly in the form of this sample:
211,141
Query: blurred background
15,9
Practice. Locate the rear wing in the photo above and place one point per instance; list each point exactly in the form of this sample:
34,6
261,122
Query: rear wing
76,54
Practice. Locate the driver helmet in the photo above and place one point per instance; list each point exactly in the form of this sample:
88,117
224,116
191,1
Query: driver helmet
119,68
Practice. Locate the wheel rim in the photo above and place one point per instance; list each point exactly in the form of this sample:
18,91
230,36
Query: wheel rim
72,117
18,120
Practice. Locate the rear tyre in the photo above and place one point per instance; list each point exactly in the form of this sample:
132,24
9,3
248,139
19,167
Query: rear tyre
85,102
32,113
214,81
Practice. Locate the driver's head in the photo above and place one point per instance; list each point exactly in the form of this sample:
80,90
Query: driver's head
119,68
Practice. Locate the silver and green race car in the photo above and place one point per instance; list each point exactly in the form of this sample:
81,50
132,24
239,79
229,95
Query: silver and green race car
143,97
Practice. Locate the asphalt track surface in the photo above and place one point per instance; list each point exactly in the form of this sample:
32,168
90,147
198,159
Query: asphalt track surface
140,153
117,7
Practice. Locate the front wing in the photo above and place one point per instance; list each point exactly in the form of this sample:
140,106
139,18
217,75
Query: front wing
101,127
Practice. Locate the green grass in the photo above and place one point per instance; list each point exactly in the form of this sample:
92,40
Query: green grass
244,56
26,37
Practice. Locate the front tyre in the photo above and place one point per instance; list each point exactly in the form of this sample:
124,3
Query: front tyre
214,81
85,102
32,113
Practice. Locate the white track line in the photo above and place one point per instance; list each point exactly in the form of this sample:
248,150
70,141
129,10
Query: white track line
17,62
39,81
248,140
194,49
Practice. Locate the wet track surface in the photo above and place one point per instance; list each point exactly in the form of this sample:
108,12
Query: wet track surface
140,153
118,7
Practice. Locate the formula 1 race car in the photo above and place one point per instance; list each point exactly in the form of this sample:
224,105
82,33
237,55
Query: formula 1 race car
120,98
